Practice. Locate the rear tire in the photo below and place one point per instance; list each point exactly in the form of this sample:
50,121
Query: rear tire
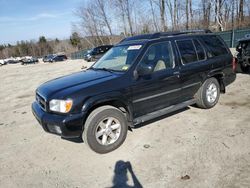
105,129
244,69
208,94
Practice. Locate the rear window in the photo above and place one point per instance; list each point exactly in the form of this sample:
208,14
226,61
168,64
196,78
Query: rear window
187,51
215,46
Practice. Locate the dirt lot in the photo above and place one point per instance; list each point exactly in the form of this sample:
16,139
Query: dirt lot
192,148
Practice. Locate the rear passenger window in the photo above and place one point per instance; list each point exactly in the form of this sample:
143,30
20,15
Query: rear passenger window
215,46
187,51
199,49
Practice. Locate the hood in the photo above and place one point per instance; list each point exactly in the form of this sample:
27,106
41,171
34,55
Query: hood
80,79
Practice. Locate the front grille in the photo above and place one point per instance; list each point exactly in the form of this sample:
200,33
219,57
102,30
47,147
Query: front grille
41,101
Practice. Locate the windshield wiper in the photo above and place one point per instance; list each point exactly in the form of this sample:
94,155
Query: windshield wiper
103,69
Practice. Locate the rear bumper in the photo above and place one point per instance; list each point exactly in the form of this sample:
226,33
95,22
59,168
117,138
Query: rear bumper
67,126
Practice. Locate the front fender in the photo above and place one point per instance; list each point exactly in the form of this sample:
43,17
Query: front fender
108,98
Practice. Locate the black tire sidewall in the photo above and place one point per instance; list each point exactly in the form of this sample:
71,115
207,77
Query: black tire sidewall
204,97
244,69
89,132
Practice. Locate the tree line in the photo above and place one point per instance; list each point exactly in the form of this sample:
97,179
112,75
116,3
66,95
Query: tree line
36,48
100,18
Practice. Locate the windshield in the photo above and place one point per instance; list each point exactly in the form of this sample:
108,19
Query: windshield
85,52
50,56
118,58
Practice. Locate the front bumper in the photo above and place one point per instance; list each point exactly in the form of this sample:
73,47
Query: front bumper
87,58
67,126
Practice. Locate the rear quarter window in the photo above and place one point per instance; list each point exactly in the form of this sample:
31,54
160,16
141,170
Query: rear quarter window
187,51
215,46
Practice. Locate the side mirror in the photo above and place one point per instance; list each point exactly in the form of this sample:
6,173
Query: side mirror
143,70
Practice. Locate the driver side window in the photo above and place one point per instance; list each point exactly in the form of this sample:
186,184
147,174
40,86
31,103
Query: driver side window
159,56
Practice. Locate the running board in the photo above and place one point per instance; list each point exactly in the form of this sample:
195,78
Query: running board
163,111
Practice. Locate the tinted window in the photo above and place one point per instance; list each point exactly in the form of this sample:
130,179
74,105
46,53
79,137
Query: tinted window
159,56
99,50
215,46
187,51
95,51
199,49
102,49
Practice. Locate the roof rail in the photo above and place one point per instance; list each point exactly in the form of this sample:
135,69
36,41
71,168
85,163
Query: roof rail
197,31
164,34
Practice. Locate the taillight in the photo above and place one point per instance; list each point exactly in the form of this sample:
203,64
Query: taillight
234,64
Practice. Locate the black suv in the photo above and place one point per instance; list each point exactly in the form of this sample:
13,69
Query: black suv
54,58
243,56
96,53
141,78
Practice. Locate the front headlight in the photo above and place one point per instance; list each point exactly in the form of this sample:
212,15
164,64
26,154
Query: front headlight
62,106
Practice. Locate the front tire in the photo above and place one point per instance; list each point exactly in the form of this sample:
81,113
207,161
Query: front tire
105,129
209,93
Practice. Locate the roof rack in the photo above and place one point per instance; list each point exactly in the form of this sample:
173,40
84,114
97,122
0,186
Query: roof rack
165,34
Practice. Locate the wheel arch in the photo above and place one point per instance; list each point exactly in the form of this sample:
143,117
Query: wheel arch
118,101
219,76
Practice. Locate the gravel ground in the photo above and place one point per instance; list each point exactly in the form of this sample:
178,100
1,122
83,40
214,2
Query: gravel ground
191,148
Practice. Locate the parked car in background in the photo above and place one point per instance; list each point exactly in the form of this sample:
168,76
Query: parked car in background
29,60
59,58
54,58
12,60
96,53
2,62
48,58
139,79
243,56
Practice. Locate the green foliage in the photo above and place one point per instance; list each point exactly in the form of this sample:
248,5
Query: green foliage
42,39
75,40
28,48
57,40
145,29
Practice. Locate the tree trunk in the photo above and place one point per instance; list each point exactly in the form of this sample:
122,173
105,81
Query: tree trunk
175,13
153,14
191,14
206,7
218,15
128,14
187,15
101,6
162,13
241,11
170,9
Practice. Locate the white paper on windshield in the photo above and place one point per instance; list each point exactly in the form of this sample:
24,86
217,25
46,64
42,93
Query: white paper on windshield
135,47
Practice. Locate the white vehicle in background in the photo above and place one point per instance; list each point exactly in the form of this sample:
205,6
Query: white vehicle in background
11,60
18,59
2,62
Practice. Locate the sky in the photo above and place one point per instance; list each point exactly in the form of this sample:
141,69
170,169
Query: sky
29,19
